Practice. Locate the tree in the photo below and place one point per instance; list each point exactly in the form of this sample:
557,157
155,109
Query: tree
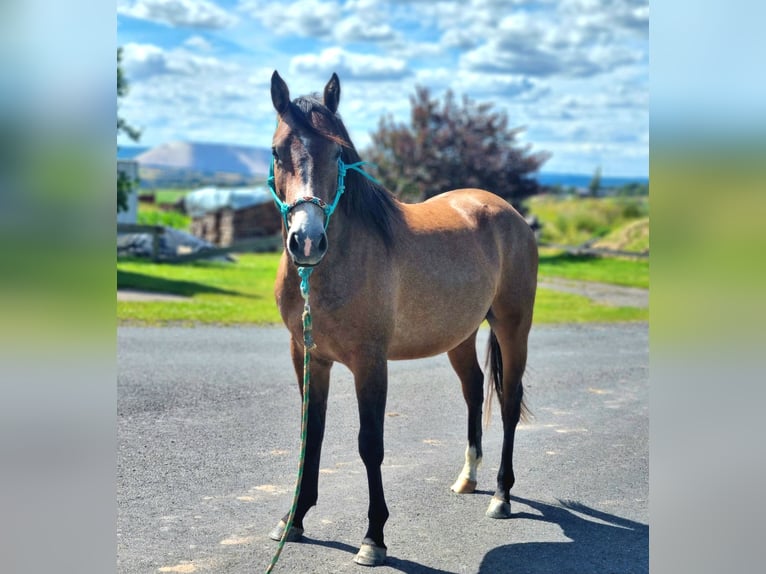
448,145
124,183
595,183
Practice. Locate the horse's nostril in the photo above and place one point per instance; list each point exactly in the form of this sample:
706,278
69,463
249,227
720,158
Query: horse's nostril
322,245
293,246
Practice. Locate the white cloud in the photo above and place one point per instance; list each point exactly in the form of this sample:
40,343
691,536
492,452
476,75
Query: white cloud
179,13
306,18
343,23
577,41
220,103
198,43
349,65
141,61
357,29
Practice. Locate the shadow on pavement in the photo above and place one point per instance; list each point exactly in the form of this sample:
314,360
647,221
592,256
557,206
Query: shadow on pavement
406,566
619,546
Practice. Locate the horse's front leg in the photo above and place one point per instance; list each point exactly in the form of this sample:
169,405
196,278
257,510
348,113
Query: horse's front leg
318,390
371,381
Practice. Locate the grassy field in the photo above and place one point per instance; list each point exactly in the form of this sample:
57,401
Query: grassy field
242,293
222,293
626,272
573,221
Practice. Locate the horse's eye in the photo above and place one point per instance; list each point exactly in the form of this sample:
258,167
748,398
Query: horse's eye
274,153
338,152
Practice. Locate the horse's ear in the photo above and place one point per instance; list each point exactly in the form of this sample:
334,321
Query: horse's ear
280,95
332,93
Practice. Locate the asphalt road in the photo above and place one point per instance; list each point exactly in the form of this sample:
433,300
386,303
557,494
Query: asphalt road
208,431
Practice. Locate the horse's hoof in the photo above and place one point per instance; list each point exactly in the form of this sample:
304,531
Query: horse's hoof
499,508
370,554
294,535
464,486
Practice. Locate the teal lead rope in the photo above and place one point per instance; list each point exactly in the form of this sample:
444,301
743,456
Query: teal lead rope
308,340
308,346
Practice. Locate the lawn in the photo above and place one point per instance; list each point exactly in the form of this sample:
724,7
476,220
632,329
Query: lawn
617,271
222,293
242,292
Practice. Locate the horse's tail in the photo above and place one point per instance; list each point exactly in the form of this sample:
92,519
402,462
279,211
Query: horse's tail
494,368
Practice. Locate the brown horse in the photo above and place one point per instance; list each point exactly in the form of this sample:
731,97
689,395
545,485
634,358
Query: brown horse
394,281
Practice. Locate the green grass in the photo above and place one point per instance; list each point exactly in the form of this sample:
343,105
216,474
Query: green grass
220,293
626,272
557,307
242,292
154,216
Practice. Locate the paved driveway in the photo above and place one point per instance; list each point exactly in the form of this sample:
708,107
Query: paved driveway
208,443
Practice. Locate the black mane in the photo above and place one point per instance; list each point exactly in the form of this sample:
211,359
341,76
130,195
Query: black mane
364,200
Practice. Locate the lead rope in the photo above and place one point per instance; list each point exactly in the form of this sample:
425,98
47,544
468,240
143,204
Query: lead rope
308,340
308,346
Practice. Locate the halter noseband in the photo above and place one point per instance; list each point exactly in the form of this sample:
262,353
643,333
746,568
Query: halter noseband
286,208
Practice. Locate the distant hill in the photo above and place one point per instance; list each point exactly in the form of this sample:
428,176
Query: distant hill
194,163
208,158
191,164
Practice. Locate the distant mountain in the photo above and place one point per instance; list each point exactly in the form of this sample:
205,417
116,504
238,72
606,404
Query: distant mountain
208,158
194,163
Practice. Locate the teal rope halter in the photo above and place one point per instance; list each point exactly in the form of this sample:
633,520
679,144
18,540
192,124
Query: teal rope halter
286,208
308,341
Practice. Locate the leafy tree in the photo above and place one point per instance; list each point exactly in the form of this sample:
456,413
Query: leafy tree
124,183
449,145
595,183
633,189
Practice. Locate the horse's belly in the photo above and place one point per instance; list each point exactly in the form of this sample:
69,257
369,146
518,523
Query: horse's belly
428,346
431,327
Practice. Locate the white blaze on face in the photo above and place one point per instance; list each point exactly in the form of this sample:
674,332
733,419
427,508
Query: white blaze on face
300,219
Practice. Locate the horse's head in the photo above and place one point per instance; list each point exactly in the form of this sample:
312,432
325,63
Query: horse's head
306,148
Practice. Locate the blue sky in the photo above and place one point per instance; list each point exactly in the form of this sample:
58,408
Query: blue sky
575,73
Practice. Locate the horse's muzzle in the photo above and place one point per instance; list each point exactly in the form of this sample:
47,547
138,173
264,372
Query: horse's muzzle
306,238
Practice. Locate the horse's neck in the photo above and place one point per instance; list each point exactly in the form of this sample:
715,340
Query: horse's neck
351,248
346,240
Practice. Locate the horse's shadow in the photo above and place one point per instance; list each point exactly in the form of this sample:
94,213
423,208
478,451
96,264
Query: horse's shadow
612,544
406,566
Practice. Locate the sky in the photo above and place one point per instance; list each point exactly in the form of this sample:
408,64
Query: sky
573,73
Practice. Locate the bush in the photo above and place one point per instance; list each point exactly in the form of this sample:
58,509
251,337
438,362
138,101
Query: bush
573,221
634,209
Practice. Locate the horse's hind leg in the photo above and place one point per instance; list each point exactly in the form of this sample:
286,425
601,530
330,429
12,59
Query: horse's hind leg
319,388
466,365
510,341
